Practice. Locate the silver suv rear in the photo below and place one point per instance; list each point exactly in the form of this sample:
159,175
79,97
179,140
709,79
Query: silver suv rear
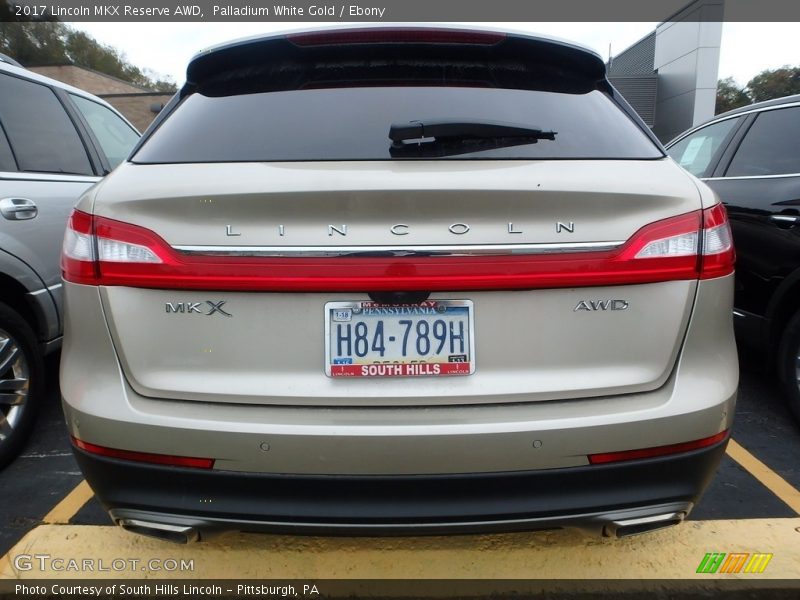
390,280
55,142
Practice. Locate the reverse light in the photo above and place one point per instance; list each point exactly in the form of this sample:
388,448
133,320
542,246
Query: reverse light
641,453
677,245
116,251
102,251
146,457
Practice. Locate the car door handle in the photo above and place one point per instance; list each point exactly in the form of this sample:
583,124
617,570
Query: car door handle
785,221
18,209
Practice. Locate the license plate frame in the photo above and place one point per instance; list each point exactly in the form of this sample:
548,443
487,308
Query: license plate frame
445,310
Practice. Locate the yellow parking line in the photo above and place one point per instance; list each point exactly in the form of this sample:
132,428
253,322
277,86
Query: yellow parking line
70,505
769,478
60,514
673,553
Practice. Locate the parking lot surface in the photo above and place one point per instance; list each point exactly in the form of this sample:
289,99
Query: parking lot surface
752,506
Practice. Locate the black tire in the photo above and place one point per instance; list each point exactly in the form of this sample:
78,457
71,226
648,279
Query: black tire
17,415
789,364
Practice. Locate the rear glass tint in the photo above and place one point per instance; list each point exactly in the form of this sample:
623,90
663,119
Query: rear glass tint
40,131
353,124
771,146
7,162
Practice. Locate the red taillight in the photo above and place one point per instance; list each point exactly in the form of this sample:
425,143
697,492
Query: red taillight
609,457
101,251
409,35
147,457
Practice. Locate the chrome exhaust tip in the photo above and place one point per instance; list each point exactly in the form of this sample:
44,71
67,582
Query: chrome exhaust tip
626,527
179,534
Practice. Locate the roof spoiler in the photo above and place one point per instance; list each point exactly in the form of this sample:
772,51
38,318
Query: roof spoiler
394,56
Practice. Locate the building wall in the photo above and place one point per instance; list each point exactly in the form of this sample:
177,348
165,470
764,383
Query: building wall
631,73
88,80
640,92
636,60
670,75
687,61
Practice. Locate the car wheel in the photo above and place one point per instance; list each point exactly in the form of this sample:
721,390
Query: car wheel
789,364
21,382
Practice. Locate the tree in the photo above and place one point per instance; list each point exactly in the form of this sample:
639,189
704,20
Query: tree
775,83
53,43
730,96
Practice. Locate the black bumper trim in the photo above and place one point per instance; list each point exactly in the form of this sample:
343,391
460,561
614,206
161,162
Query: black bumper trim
367,502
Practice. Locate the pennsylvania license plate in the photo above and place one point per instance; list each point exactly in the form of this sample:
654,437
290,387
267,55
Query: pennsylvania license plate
370,339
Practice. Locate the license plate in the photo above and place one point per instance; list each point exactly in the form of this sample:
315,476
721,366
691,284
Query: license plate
370,339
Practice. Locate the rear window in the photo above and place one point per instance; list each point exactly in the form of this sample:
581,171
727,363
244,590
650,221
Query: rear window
353,124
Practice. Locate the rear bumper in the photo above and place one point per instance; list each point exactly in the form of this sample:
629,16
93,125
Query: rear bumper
599,498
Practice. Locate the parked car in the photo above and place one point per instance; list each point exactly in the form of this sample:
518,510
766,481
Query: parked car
55,142
751,158
384,280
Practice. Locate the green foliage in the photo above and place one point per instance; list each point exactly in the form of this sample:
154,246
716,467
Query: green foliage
767,85
774,83
52,43
730,96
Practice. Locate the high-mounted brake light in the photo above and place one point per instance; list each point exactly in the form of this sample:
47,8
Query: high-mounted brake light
146,457
101,251
408,35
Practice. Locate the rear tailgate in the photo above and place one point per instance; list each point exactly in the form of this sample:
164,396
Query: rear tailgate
568,341
272,189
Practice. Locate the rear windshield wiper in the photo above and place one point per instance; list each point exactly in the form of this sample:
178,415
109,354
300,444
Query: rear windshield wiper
446,137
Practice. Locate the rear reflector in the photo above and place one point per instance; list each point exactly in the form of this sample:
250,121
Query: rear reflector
147,457
610,457
402,35
101,251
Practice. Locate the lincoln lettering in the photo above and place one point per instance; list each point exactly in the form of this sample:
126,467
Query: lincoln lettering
341,229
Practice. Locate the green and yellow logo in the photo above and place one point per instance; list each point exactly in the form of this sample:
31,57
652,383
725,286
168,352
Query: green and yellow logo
734,562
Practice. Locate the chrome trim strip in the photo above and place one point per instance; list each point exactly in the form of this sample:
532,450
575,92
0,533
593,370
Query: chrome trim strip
736,313
15,175
46,290
397,251
651,519
52,345
723,178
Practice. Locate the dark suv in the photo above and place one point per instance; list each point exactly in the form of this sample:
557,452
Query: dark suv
751,157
